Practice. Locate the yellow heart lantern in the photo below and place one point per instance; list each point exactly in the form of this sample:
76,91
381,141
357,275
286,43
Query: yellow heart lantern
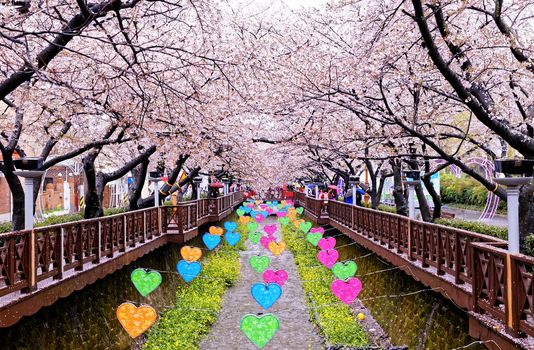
243,220
136,320
191,254
277,248
216,230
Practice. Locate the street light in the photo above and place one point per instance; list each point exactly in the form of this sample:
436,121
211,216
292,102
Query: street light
354,181
197,180
226,181
28,170
415,176
317,182
516,175
155,178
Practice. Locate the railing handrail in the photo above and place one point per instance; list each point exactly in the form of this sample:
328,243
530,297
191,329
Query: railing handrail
92,220
468,257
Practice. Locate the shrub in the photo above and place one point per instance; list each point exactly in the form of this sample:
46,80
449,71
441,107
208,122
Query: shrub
196,305
336,322
490,230
464,191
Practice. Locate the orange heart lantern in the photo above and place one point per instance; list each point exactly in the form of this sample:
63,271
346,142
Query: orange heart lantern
243,220
277,248
190,254
216,230
136,320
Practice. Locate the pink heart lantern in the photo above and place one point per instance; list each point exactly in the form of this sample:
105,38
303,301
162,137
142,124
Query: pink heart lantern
280,214
263,206
327,243
264,240
269,211
250,205
328,257
346,291
317,229
269,229
258,218
279,276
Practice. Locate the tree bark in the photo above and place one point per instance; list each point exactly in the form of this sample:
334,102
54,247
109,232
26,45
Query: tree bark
136,187
398,192
96,183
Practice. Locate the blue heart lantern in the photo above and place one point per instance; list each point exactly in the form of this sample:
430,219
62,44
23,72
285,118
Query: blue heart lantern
248,210
275,203
265,214
232,238
188,271
253,213
211,241
230,226
266,294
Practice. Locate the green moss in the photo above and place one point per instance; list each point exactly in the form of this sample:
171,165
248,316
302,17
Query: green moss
197,304
336,322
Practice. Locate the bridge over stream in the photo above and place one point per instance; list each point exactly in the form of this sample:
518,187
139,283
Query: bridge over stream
37,267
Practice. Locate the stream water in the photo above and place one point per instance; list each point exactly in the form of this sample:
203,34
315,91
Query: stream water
86,319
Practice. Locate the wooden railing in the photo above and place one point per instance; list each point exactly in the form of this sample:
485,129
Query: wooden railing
30,256
502,284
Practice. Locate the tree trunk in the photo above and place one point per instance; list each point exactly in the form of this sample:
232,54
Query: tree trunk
423,204
17,192
398,192
136,187
92,207
526,214
436,198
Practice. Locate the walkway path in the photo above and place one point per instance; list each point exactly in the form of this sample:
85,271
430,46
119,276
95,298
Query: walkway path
296,331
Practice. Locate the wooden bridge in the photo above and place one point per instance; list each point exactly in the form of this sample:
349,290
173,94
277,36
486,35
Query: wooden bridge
39,266
474,271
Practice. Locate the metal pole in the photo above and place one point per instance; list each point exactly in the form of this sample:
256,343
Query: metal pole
513,219
354,194
156,193
411,201
28,203
316,191
198,191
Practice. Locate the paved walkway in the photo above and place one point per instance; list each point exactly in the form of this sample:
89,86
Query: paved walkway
296,331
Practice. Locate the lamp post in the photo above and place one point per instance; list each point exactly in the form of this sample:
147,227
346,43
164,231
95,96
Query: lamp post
354,181
155,178
317,182
415,176
27,169
516,175
197,180
226,181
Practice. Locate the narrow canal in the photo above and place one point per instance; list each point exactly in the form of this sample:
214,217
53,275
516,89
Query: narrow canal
86,319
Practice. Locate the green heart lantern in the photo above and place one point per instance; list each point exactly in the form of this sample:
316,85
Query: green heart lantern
259,263
252,226
240,212
284,220
254,237
345,270
260,330
305,226
145,281
314,237
300,210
